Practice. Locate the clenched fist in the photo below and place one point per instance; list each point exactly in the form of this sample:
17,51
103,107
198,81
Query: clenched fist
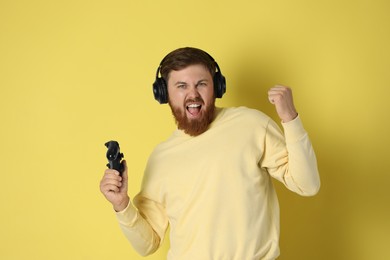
282,98
114,187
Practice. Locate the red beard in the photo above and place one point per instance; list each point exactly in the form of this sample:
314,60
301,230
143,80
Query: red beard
194,127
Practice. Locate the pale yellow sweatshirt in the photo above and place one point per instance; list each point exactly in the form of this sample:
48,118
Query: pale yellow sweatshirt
215,190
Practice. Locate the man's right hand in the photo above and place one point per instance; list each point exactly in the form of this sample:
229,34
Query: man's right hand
114,188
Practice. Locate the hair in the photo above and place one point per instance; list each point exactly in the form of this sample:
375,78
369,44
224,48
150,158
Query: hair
184,57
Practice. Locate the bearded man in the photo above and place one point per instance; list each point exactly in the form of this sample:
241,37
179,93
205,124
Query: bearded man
210,181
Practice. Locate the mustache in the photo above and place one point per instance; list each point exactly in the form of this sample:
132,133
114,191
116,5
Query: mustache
193,100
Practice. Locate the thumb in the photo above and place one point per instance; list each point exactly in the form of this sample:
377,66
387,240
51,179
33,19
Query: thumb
125,171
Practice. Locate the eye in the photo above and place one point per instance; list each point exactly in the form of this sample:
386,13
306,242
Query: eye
181,86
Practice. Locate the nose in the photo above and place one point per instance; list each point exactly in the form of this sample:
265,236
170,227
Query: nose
193,92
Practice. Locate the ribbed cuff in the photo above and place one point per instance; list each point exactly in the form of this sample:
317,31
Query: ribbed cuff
293,130
128,216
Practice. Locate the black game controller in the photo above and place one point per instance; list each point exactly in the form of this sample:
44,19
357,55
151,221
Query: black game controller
114,156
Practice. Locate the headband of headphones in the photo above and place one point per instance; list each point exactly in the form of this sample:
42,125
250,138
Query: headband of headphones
160,87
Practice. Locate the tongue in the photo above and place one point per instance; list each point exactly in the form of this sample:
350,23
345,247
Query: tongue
194,110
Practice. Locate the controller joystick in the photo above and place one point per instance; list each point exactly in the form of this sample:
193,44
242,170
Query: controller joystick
114,156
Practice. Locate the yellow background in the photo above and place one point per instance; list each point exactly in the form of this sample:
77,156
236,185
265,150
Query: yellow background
74,74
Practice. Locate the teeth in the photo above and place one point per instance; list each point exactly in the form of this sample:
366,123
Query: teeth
194,105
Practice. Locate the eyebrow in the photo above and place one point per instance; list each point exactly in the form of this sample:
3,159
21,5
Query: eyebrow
185,83
180,83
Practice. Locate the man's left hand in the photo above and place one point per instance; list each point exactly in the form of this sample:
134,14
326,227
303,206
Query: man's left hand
282,98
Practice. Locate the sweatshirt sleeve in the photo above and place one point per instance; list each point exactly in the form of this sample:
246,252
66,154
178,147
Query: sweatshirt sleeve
291,158
144,226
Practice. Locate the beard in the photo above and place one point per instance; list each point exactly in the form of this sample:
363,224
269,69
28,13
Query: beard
194,127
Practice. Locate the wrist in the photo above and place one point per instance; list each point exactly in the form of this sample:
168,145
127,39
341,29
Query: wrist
122,205
289,117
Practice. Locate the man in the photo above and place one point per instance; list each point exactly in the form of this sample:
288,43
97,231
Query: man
211,180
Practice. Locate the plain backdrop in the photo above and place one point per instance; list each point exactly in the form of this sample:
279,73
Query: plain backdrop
75,74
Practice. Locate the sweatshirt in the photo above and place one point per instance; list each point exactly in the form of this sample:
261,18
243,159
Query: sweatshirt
215,190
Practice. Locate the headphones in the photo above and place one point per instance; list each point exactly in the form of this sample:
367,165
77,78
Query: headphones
160,87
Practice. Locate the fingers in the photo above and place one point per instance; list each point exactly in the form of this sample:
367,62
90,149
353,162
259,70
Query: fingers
279,94
111,181
282,98
114,188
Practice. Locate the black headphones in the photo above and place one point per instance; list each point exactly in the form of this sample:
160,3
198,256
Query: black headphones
160,87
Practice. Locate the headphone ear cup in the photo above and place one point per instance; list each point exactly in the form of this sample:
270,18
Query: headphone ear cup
219,84
160,91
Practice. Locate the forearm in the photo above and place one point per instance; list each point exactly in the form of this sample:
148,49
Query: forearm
302,173
138,231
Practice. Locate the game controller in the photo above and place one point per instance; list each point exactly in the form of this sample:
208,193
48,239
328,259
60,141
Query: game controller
114,156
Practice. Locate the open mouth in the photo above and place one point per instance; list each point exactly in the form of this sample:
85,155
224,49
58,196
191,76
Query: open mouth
194,109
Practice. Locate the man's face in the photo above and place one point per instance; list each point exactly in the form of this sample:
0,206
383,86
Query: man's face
191,98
